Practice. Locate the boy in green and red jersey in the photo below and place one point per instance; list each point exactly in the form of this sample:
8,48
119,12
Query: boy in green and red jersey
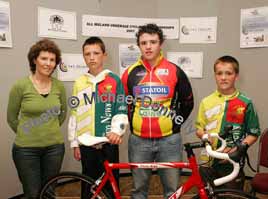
228,106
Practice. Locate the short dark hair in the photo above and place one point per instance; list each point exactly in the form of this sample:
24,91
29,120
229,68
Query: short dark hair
94,40
150,29
228,59
45,45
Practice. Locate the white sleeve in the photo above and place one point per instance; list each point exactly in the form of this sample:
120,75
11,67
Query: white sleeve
72,132
119,124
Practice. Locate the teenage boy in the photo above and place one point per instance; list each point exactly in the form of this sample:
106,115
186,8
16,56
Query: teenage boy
155,122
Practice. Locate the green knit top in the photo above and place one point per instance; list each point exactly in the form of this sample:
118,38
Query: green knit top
36,119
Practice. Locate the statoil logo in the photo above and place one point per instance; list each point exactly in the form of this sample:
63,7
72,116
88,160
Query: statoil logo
151,90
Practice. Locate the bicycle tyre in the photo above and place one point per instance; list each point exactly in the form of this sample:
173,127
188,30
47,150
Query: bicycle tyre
68,185
228,194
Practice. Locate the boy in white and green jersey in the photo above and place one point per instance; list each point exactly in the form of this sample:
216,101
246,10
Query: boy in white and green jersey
101,102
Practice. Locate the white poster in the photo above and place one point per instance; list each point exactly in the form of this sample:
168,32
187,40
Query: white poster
128,55
5,25
72,67
198,29
56,24
254,27
190,62
124,27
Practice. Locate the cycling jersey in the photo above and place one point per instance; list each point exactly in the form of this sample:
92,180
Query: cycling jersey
217,110
100,98
163,96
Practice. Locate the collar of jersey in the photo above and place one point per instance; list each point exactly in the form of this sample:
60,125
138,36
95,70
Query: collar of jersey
227,97
98,78
148,66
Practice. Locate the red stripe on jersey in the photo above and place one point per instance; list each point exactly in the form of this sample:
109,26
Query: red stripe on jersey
155,130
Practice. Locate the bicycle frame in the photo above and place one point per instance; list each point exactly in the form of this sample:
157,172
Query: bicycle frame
194,180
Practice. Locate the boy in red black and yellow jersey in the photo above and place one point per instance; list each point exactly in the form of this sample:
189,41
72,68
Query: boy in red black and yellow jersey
169,92
227,106
166,101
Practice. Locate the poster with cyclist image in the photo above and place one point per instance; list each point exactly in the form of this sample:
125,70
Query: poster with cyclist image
5,25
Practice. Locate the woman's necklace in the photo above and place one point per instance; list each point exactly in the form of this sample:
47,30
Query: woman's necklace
41,87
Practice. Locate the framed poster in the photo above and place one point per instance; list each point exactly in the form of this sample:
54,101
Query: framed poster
5,25
190,62
198,29
71,67
56,24
128,55
254,27
125,27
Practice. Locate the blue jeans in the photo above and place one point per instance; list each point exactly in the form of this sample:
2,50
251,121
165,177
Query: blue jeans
35,165
166,149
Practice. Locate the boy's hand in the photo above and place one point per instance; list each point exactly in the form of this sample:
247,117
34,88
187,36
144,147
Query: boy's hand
77,154
228,150
114,138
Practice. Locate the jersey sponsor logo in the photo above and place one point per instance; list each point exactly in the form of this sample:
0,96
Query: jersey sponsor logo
122,108
236,135
151,90
240,110
106,118
148,112
108,88
162,71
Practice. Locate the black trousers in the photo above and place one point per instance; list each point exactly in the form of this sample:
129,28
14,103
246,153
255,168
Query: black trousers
92,164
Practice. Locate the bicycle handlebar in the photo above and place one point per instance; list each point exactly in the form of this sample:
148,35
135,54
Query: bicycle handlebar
224,156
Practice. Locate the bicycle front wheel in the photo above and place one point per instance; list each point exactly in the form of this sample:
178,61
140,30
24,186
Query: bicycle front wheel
73,185
228,194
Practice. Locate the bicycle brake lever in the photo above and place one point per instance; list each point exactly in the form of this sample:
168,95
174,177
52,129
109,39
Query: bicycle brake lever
239,153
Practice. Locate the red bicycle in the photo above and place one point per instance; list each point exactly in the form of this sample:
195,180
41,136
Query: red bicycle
72,180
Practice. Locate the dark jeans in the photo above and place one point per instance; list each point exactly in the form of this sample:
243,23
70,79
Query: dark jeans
35,165
92,164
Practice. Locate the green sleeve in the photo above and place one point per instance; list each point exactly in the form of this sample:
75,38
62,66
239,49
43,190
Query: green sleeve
252,121
120,106
14,105
63,102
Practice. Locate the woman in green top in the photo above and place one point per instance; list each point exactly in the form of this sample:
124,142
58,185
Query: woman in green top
36,109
